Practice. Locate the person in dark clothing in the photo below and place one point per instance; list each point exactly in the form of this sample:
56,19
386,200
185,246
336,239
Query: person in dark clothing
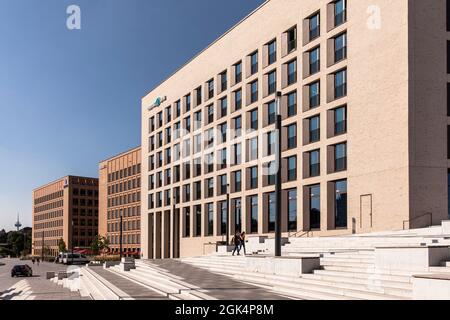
237,243
32,260
243,243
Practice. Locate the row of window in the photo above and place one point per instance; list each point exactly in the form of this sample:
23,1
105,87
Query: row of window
289,169
48,224
124,199
85,212
126,239
49,206
85,222
131,225
216,213
49,215
85,202
52,196
126,212
85,192
124,173
124,186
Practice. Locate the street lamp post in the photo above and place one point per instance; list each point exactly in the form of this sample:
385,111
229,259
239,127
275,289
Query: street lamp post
228,214
278,179
121,235
71,240
42,247
175,231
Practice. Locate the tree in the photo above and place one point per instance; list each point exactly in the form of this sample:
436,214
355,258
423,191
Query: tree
62,245
3,236
100,244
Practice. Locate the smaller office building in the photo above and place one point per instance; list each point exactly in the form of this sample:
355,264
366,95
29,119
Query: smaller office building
120,199
65,209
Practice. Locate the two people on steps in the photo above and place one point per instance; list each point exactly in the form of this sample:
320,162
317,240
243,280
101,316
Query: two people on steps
239,243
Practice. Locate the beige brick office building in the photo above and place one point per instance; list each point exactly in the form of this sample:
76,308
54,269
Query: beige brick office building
364,98
56,205
120,195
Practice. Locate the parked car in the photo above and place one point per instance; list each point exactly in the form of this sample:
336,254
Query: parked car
21,270
75,258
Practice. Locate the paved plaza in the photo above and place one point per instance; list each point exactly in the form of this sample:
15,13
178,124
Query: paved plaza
32,288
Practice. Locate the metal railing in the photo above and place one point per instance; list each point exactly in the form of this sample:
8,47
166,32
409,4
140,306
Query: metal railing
430,214
301,234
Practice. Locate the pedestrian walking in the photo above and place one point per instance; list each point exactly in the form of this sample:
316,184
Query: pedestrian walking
237,243
32,260
243,242
38,260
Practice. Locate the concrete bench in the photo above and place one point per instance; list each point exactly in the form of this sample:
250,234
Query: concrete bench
127,264
62,275
285,266
431,287
50,275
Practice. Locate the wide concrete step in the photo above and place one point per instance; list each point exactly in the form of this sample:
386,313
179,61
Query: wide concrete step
365,276
347,260
327,262
366,270
346,291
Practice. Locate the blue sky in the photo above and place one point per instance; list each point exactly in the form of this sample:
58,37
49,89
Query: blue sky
64,93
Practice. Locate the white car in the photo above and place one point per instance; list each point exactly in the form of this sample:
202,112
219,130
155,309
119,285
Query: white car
75,258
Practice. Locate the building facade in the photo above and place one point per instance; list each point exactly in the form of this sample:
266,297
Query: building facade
120,196
65,209
363,105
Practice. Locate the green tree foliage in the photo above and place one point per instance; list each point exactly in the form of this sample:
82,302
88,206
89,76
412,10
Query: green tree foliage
62,245
100,244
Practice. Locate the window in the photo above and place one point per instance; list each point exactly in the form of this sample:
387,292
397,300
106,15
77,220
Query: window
197,167
210,85
187,192
292,39
254,214
270,143
340,204
237,123
237,204
223,107
254,63
197,190
272,82
188,102
209,161
197,120
187,170
237,153
223,81
314,61
238,99
292,168
314,129
210,110
271,112
340,84
448,17
210,225
223,132
168,155
187,124
210,187
254,119
198,92
272,51
292,209
253,177
253,149
238,72
223,184
292,72
314,94
314,27
223,159
168,135
223,217
314,207
151,125
254,91
198,220
340,12
340,120
292,136
178,108
160,119
209,138
271,211
168,114
340,156
176,131
292,104
270,168
314,163
237,181
340,47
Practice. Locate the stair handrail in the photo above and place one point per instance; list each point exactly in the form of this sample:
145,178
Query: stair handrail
301,234
419,217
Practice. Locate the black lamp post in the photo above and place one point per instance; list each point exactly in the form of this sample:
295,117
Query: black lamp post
72,241
42,249
278,179
121,236
174,229
228,214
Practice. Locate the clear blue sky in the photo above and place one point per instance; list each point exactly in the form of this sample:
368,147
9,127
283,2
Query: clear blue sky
69,99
